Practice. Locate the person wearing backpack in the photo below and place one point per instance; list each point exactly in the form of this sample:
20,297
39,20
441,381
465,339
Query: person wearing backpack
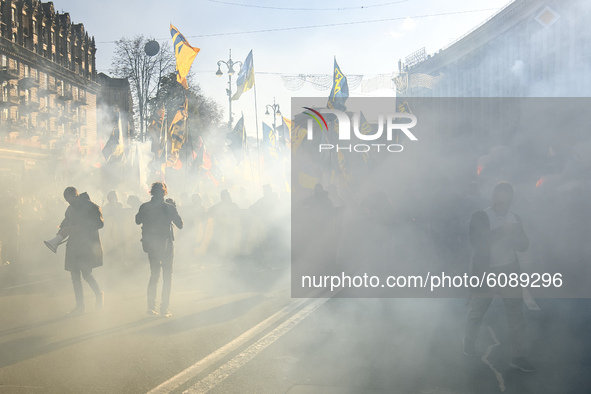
157,217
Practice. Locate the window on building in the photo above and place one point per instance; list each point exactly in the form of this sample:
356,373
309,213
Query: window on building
34,26
14,20
4,61
25,25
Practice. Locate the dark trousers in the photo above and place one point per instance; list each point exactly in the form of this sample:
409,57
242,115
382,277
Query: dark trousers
157,263
77,275
513,301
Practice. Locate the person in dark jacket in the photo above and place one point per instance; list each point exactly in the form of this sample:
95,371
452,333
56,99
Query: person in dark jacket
156,217
496,234
81,224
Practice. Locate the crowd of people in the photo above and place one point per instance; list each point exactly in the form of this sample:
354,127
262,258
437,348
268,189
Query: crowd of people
224,231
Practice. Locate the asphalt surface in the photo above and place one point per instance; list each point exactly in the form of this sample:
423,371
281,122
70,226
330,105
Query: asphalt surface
235,329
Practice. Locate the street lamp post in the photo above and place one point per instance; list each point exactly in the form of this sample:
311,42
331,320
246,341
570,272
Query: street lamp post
230,64
276,111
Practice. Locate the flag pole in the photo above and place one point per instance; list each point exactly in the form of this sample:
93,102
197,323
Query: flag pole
245,150
165,129
256,116
186,141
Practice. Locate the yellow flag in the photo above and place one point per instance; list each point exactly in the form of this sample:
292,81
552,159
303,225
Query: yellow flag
184,53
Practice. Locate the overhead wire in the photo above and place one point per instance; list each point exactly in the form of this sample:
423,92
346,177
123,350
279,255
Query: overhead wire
324,25
308,9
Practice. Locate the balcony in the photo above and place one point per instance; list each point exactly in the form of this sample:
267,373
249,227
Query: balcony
9,73
28,107
64,96
10,100
28,83
80,101
47,113
63,119
46,91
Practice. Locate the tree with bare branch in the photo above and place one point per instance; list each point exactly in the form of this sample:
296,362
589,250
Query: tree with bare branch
143,72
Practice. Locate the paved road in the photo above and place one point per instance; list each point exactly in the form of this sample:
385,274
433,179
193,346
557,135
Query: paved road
236,330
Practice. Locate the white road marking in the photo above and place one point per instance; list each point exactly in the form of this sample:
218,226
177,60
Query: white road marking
487,362
220,374
222,352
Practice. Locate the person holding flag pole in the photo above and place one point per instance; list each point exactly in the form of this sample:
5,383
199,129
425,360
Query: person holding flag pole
185,55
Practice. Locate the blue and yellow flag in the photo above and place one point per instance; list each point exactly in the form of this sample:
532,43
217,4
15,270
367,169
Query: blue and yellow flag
298,132
364,126
114,150
340,89
404,108
184,53
270,141
237,139
178,128
177,135
245,79
284,136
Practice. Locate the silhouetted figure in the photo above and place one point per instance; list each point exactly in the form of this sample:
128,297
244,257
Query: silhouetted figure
496,234
156,217
82,221
243,201
378,231
334,196
314,219
194,215
265,230
319,203
226,217
113,233
132,233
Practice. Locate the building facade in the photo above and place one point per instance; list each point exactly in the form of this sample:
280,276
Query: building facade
49,85
115,107
530,48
